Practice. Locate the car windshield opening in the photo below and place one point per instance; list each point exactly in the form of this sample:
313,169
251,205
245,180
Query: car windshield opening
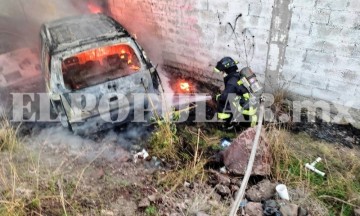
99,65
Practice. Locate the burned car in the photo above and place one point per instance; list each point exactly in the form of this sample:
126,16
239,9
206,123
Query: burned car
93,55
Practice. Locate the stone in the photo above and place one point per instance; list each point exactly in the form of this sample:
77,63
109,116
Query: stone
153,198
24,193
356,124
237,155
234,188
100,173
186,184
254,209
220,178
303,212
201,214
357,212
264,190
144,203
223,170
223,190
350,139
236,181
106,213
271,207
289,209
181,205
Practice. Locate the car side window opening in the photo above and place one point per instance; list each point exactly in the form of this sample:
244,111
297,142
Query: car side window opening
99,65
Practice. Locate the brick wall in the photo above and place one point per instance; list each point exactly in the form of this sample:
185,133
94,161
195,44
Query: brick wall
311,46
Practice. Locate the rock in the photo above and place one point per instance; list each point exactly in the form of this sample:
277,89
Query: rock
193,185
144,203
357,212
201,214
181,205
356,124
107,213
215,197
223,170
220,178
236,156
303,212
236,181
100,173
288,209
223,190
350,139
186,184
234,188
265,190
271,207
254,209
24,193
152,198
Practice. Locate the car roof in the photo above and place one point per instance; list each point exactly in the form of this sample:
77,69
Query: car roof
78,30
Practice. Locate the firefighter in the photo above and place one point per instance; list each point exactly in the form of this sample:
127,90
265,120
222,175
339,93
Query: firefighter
237,102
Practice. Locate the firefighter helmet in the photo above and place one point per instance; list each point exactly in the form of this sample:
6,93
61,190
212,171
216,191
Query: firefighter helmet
226,65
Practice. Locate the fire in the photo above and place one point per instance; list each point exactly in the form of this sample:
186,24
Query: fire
93,8
185,86
100,53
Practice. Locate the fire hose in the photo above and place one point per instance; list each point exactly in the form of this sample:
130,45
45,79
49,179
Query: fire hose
241,192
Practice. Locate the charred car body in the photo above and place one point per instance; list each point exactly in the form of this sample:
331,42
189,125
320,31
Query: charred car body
93,55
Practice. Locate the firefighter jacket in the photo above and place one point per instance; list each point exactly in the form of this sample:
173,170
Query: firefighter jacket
237,94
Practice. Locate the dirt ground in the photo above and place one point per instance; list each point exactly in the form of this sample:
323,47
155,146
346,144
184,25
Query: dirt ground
95,176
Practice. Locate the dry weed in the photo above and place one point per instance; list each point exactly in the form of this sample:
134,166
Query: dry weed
205,202
339,191
9,140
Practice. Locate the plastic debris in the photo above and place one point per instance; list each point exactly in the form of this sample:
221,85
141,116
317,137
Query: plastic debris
141,155
224,143
223,170
312,167
281,189
243,203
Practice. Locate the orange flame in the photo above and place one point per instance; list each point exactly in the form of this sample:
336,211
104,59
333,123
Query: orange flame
185,86
93,8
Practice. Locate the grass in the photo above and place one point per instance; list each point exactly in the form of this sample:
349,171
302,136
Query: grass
28,187
204,202
164,141
151,211
336,194
20,194
187,155
186,149
9,140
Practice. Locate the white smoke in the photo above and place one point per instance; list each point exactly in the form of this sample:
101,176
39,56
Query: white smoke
23,18
109,145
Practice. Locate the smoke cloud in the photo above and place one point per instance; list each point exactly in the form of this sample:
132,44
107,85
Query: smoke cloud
113,145
20,20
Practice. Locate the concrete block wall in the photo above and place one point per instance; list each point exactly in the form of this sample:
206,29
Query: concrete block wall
322,56
310,46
